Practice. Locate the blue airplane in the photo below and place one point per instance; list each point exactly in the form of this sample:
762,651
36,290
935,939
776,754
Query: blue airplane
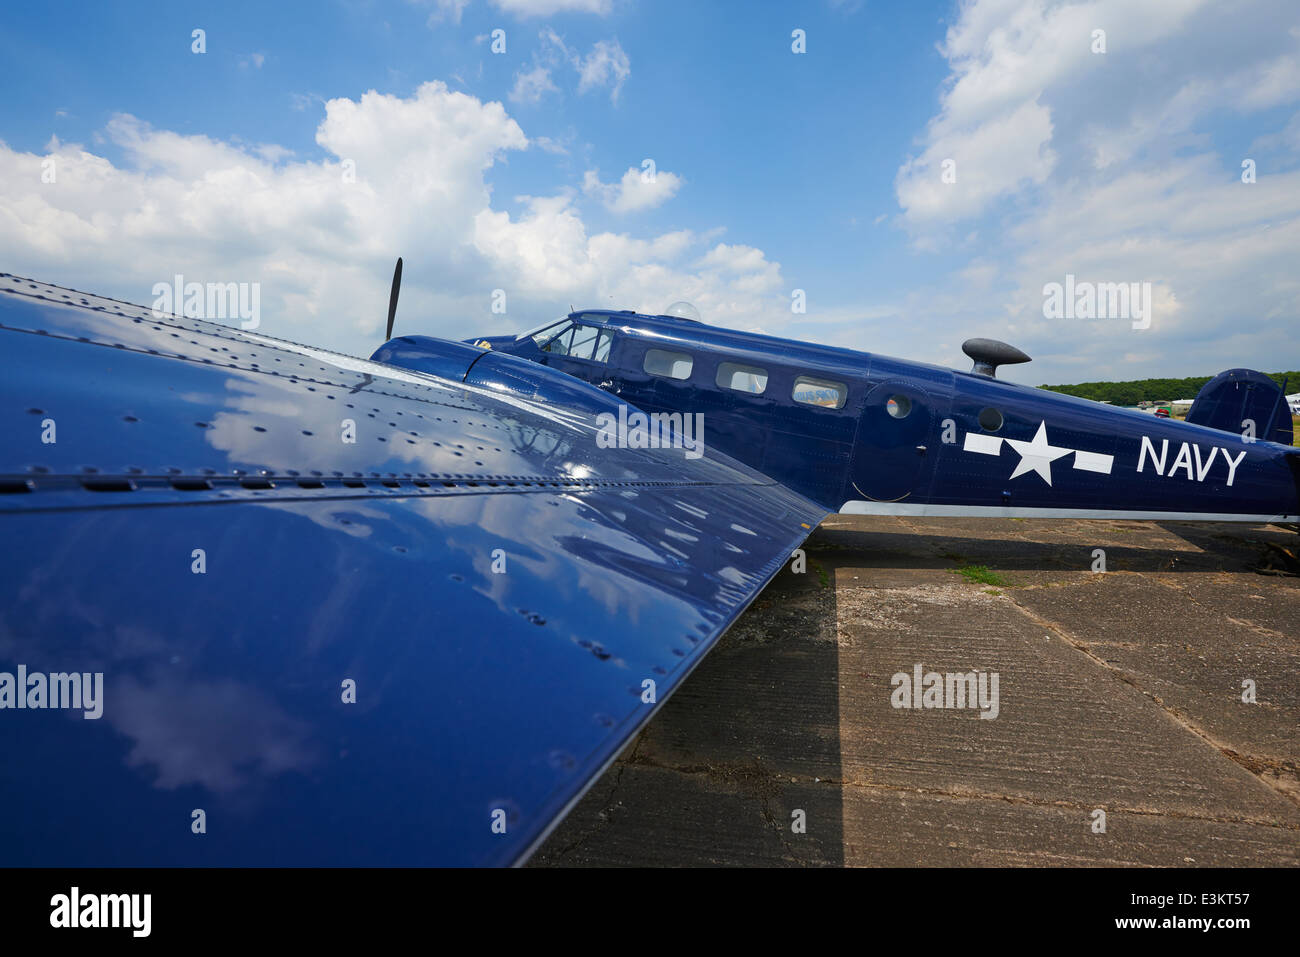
266,604
862,433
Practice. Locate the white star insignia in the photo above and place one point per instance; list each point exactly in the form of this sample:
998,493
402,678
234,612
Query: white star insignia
1037,456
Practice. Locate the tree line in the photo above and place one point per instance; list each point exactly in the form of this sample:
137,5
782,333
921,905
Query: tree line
1156,390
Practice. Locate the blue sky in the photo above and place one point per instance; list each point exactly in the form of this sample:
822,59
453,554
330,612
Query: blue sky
778,171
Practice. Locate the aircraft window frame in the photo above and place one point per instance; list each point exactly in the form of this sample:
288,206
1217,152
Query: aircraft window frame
674,358
841,387
566,331
536,331
588,344
725,378
604,345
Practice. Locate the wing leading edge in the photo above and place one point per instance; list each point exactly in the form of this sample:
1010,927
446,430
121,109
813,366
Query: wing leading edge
370,651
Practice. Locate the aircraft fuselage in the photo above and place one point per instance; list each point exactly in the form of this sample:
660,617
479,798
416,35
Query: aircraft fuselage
865,433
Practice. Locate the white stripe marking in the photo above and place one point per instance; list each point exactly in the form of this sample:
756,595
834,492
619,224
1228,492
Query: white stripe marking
1093,461
983,444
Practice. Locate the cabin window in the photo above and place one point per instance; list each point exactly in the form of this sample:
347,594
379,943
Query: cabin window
822,392
990,420
602,346
732,375
898,406
671,365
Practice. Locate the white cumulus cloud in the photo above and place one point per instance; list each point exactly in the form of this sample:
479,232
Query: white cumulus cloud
1122,166
398,176
637,190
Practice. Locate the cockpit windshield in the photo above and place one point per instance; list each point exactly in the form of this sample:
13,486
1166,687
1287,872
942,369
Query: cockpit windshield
555,338
543,332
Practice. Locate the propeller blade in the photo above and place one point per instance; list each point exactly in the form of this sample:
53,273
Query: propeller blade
392,298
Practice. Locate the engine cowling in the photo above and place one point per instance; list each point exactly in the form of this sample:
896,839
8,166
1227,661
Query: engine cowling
440,357
494,370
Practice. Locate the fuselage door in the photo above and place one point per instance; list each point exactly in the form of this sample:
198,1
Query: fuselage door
892,450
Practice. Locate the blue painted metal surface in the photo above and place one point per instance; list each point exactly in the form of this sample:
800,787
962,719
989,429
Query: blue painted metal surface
326,561
1237,396
938,458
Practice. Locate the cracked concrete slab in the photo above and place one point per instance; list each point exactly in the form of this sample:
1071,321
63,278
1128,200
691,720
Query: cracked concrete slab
1119,691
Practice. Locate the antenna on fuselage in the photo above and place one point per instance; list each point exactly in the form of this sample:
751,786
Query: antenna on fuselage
988,354
392,299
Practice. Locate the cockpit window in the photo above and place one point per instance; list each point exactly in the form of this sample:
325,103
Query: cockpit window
555,340
584,342
542,332
822,392
577,341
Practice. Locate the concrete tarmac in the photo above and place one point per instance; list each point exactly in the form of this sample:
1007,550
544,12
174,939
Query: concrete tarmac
1119,705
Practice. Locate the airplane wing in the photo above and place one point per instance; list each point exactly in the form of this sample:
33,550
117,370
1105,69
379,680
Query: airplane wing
262,604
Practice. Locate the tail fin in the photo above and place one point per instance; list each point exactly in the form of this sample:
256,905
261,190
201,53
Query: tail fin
1234,400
